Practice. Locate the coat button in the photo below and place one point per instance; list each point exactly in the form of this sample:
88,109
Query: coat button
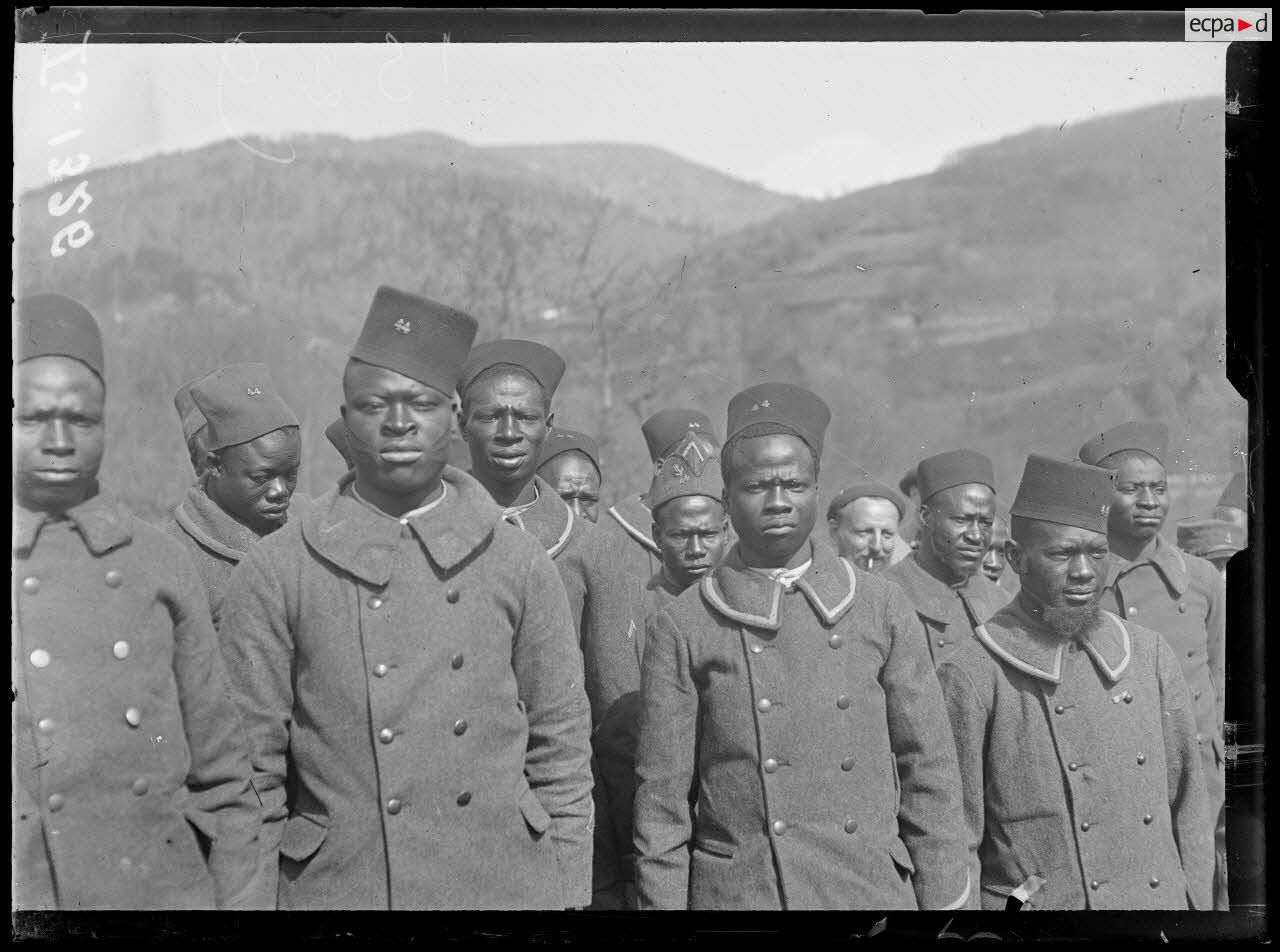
1155,881
140,787
836,640
456,662
1196,695
121,650
1059,709
40,658
31,585
1147,819
1085,826
770,765
1199,739
756,649
1095,885
1133,610
386,735
763,704
45,725
843,702
133,716
941,643
1128,697
56,801
393,806
1073,766
380,670
1182,608
1142,759
464,798
374,602
1191,653
459,727
451,596
847,764
779,827
114,578
851,826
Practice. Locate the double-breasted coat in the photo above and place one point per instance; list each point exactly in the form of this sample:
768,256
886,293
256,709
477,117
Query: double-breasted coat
1080,767
418,682
126,736
940,607
810,727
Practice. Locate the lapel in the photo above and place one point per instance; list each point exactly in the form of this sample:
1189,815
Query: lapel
930,597
206,522
101,521
1166,559
549,519
1020,641
635,519
739,594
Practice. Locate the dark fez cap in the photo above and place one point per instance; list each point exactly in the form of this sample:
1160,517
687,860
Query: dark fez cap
684,476
417,337
189,414
956,468
562,441
1065,492
1210,538
1149,436
543,363
864,490
666,428
784,404
240,403
336,433
1235,495
53,325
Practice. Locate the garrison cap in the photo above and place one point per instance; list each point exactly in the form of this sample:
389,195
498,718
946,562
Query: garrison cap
909,481
1064,491
562,441
956,468
684,476
789,407
866,490
189,414
666,428
1149,436
336,432
53,325
1236,494
542,363
240,403
1210,538
415,336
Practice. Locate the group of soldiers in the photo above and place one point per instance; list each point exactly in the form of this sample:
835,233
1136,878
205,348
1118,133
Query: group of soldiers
450,682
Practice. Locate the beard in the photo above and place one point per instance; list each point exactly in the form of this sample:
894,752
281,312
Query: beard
1072,622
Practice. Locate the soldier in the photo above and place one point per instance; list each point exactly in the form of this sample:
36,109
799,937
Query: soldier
130,762
570,464
794,751
864,521
1181,596
1082,782
942,579
193,427
909,526
506,389
250,473
994,561
406,664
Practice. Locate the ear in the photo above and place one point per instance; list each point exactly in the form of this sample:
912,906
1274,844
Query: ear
342,412
212,464
551,418
1016,556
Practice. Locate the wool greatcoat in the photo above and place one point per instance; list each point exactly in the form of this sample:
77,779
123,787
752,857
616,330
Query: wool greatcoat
126,737
811,728
1080,767
940,607
418,683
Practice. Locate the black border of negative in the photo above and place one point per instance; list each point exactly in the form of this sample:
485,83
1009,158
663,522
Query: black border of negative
1248,202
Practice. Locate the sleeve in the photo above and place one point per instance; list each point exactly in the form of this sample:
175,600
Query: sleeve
548,672
610,627
223,804
666,767
1188,797
969,718
931,817
257,642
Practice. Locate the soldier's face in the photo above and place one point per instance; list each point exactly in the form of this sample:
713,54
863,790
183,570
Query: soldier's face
1140,501
993,562
690,534
253,482
59,434
398,430
574,478
772,497
505,421
956,528
866,531
1063,568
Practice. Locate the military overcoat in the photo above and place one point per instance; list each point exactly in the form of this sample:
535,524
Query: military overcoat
940,608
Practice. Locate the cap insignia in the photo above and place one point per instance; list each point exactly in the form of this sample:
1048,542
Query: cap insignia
762,403
253,392
402,326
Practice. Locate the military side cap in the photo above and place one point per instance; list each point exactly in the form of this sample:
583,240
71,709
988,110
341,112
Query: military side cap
336,433
666,428
542,363
782,404
53,325
426,341
867,490
1210,538
1065,492
1149,436
1236,494
240,403
562,441
956,468
681,476
189,414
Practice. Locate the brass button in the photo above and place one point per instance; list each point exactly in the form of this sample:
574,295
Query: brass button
451,596
779,827
133,716
464,798
31,585
45,725
851,826
456,662
941,643
1182,608
380,670
393,806
1128,697
1142,759
386,735
847,764
756,649
459,727
114,578
121,650
40,658
140,787
1095,885
1073,766
56,801
374,602
763,704
1147,819
1155,881
1133,610
1085,826
843,702
1059,709
836,640
770,765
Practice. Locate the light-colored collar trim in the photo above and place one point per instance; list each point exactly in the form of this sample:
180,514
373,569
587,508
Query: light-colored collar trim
560,543
183,518
635,533
831,614
509,511
1055,676
405,517
787,577
712,594
1112,673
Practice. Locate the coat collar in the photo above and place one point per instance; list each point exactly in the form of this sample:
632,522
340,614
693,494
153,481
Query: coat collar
206,522
635,518
103,523
549,519
747,597
1019,640
361,540
936,600
660,582
1166,559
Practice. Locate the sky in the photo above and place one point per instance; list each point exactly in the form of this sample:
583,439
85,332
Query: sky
813,119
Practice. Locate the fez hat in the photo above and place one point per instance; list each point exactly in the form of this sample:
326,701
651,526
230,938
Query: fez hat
336,432
785,405
955,468
1149,436
684,476
426,341
1236,494
1065,492
1210,538
562,441
53,325
666,428
189,414
863,490
542,363
240,403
